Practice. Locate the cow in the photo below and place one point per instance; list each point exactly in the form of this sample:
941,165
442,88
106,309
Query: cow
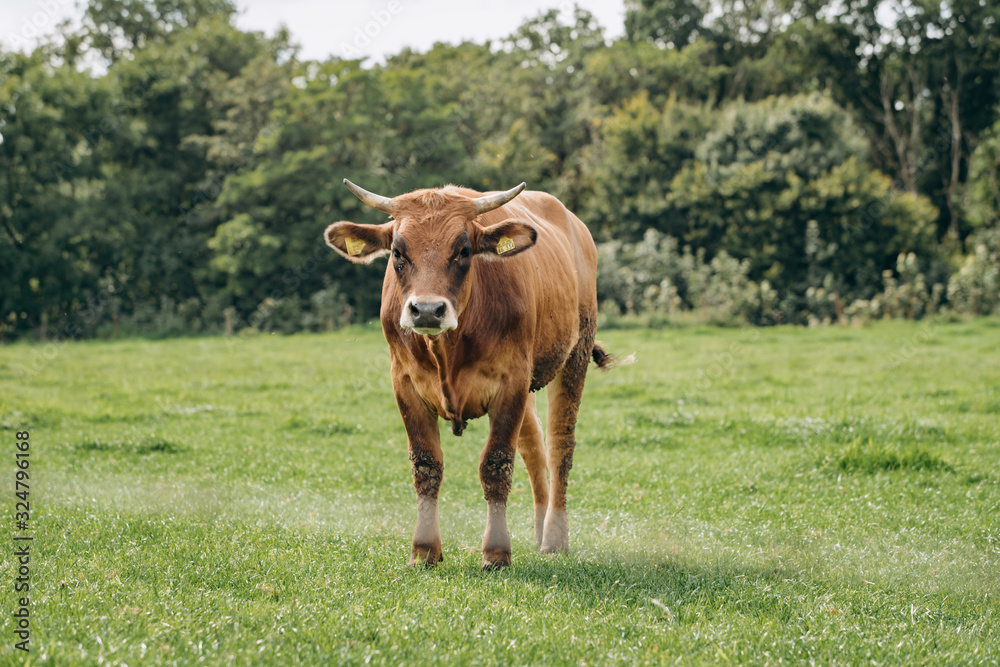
487,298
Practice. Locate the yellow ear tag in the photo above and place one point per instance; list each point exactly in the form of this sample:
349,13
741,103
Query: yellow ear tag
354,246
505,244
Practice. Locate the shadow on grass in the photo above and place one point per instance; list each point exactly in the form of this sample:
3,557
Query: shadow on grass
663,584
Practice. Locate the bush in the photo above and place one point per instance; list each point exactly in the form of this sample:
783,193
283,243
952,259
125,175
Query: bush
783,183
982,195
652,276
975,288
327,310
169,318
905,294
330,310
643,147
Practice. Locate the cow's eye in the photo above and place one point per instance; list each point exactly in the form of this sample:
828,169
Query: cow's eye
464,254
395,254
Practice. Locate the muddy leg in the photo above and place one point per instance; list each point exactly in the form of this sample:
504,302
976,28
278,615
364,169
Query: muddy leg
496,467
427,462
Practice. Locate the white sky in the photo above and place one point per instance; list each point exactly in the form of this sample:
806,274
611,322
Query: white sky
373,28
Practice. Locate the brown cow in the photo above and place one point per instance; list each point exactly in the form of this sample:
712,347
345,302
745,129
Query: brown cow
486,299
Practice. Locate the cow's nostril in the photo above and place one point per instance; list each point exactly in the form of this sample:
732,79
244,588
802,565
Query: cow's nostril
427,314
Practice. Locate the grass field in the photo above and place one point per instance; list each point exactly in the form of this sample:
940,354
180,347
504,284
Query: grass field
752,496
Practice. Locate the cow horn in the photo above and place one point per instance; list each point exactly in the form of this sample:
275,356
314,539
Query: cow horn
490,202
377,202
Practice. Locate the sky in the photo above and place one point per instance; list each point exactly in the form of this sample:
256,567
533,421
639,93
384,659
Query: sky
356,28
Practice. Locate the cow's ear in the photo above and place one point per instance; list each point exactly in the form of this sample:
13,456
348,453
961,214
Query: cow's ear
360,243
505,239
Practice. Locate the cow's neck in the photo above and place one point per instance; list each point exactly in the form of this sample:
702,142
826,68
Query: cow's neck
442,355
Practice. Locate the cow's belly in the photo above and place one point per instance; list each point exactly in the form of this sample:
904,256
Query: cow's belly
549,360
476,387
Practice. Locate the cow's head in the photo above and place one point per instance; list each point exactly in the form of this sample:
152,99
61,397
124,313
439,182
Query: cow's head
432,239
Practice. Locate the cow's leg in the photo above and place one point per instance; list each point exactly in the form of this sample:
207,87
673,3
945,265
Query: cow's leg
427,461
565,392
532,448
496,467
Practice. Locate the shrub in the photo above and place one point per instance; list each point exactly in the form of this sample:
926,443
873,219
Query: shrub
905,294
652,276
330,310
982,195
784,184
975,288
168,318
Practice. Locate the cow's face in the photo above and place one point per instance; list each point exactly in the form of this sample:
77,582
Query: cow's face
432,243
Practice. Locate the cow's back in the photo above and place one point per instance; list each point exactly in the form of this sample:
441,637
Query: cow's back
555,221
564,259
556,278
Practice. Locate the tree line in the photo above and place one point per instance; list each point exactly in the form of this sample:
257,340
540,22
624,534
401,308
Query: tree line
799,158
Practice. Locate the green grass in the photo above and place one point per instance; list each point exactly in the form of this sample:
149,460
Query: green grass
753,496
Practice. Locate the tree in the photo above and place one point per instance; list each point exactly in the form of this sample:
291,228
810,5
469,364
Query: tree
782,183
117,28
666,23
52,255
982,197
547,60
643,148
625,69
273,210
189,176
175,149
923,85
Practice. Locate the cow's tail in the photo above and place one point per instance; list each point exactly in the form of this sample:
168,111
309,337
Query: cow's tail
607,361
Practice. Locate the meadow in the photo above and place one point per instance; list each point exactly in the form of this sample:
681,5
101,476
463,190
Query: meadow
754,496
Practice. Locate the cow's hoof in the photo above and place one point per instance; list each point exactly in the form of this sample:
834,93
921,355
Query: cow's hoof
555,536
427,555
494,559
539,525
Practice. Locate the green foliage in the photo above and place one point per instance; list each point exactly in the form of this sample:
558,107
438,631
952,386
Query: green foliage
782,183
273,208
626,69
666,23
55,246
118,28
801,146
922,86
983,193
906,293
975,287
805,134
644,147
652,276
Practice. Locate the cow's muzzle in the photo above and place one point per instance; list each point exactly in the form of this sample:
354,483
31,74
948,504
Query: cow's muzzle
428,315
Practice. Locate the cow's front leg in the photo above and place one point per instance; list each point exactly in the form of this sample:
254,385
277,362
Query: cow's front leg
496,467
427,462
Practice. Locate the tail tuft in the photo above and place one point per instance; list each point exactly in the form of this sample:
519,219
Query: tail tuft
606,361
